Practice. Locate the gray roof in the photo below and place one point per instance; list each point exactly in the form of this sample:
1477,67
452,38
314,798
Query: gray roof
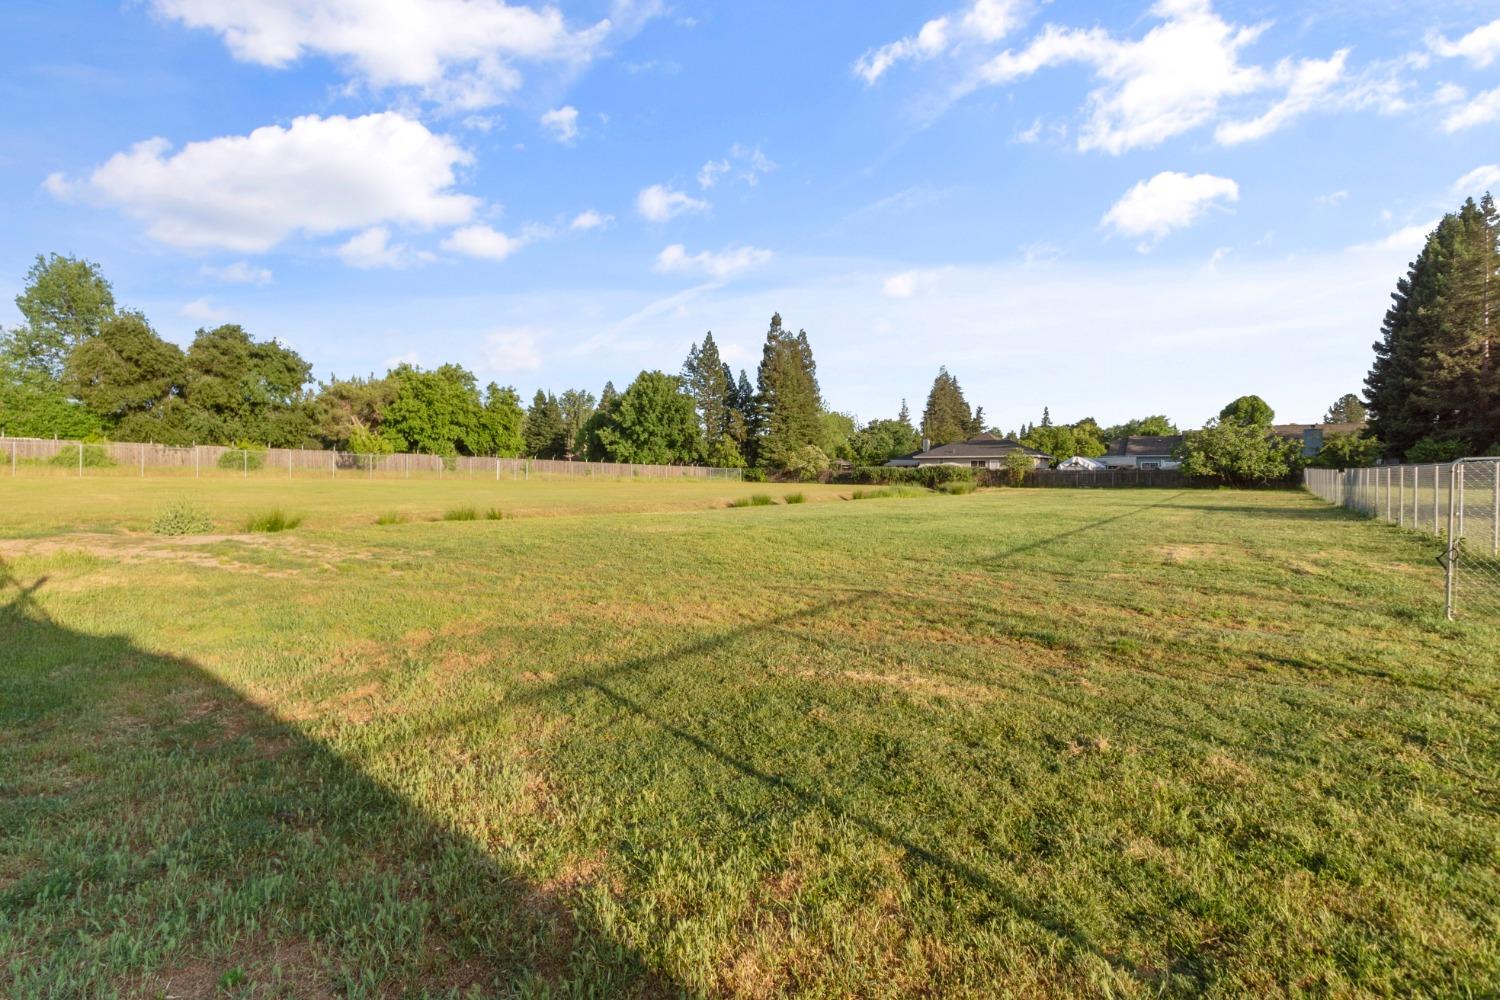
982,447
1145,444
1297,430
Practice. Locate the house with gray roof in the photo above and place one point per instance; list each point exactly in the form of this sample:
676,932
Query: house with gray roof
1143,451
984,451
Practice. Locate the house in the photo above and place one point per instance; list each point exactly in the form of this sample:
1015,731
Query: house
1312,436
1080,464
1143,451
985,451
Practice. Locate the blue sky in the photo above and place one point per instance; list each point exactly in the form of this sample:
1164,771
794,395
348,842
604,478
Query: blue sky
1106,209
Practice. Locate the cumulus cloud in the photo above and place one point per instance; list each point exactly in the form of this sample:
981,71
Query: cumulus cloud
1480,46
484,242
318,176
1308,84
589,219
460,53
909,284
676,259
512,350
1406,238
562,123
1486,178
239,273
710,172
1482,110
373,249
204,311
658,203
982,20
1168,201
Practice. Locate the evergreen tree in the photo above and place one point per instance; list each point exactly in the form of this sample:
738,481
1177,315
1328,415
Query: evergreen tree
947,417
707,379
577,406
543,433
1046,417
1347,409
904,416
789,404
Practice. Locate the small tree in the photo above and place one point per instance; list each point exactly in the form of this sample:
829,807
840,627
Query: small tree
1347,451
1238,454
1347,409
807,463
1248,411
1018,463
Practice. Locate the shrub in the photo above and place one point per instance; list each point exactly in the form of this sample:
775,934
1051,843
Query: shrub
753,475
273,521
392,517
94,457
795,498
1018,464
755,500
930,476
807,463
182,518
461,514
957,489
869,494
1438,449
244,456
494,514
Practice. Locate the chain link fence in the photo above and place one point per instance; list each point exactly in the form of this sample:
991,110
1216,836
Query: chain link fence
1458,502
52,457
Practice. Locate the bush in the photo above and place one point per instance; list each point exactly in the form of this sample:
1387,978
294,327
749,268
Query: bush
392,517
869,494
756,500
1438,449
244,456
182,518
94,457
494,514
795,498
957,489
1017,465
273,521
461,514
930,476
753,475
807,463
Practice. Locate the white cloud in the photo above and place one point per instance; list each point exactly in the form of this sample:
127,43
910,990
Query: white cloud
1406,238
589,219
710,172
318,176
909,284
1332,198
1168,201
659,204
484,242
460,53
562,123
512,350
1480,46
204,311
1308,84
676,259
239,273
1478,180
373,249
1482,110
982,20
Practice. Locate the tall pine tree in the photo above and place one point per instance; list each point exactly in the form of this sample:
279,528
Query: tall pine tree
789,402
947,417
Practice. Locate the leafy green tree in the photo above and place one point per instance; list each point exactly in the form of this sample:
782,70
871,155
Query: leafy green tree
1238,454
838,434
435,412
543,434
879,441
790,402
1347,451
576,406
1019,465
30,411
1248,411
241,389
502,420
343,406
947,417
1347,409
1439,448
65,302
1153,426
124,368
808,463
652,423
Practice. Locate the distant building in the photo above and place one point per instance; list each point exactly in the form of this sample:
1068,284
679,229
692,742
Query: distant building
1312,436
1080,464
1143,451
985,451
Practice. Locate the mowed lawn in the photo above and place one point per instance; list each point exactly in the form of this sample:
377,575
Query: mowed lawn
1034,743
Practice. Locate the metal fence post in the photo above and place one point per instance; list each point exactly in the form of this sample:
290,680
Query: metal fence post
1452,540
1495,511
1401,502
80,460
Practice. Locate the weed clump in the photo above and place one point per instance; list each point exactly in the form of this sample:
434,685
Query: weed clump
755,500
494,514
272,521
182,518
869,494
957,488
795,498
461,514
392,517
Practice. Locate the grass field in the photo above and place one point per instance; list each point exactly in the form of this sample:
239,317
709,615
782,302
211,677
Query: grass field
1019,743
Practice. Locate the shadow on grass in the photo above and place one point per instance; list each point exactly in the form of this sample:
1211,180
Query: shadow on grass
1042,543
161,835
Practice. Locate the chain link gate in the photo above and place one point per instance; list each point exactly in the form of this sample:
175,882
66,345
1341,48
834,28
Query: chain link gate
1458,502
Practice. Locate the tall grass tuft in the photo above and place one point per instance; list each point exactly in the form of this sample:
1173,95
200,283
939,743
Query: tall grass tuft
392,517
494,514
795,498
461,514
861,494
272,521
957,488
755,500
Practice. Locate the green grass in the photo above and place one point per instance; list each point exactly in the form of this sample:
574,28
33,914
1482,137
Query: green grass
795,498
1039,743
272,521
754,500
461,514
392,517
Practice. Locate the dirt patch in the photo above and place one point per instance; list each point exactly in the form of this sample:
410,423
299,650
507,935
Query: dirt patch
290,968
1189,553
136,549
